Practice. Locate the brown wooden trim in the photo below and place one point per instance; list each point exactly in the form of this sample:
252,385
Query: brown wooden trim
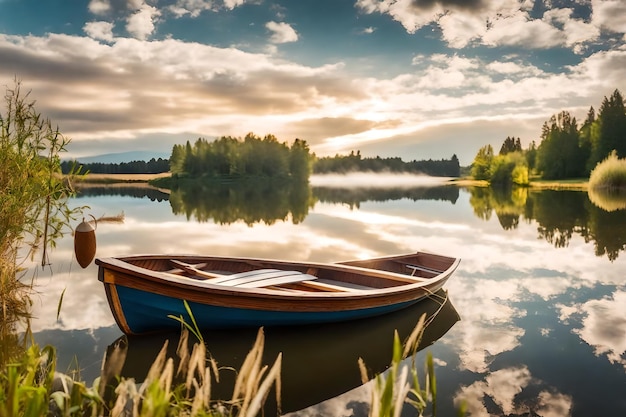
116,308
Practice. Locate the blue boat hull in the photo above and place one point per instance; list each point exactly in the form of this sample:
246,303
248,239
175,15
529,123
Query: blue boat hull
146,312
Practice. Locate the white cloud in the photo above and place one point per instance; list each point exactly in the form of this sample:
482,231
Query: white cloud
518,30
504,23
510,68
403,12
492,333
141,23
500,386
459,30
576,31
99,30
99,6
503,387
604,326
601,72
554,404
610,14
281,32
231,4
191,7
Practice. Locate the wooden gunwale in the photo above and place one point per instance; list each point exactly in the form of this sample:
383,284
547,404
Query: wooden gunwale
419,262
266,263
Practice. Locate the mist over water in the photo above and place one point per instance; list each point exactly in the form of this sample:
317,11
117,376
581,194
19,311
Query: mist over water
375,180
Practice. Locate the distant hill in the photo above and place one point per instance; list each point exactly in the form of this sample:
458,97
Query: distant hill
117,158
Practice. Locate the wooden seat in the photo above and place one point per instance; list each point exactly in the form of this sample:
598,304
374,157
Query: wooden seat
257,278
267,281
333,286
262,278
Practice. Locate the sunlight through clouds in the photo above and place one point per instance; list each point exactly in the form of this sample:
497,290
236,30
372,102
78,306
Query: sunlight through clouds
183,83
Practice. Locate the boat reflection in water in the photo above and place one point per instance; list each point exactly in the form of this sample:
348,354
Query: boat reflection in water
319,361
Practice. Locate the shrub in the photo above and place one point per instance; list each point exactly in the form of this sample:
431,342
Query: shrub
508,169
609,174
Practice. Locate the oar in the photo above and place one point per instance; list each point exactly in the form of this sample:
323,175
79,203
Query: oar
193,270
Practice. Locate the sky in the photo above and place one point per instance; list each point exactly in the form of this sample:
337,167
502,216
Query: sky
416,79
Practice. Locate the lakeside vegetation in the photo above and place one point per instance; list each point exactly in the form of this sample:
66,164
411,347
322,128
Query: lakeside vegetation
153,166
354,162
609,174
33,202
565,151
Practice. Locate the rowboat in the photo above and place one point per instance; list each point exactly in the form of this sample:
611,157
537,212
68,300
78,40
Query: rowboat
146,293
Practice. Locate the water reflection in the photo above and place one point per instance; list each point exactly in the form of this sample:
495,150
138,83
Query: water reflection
506,392
319,362
126,190
266,201
353,197
559,215
251,202
529,308
608,199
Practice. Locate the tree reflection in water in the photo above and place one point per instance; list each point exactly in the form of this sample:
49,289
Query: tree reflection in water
268,202
560,214
248,201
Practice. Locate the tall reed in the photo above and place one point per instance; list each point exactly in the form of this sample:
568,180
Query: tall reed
33,198
30,387
33,202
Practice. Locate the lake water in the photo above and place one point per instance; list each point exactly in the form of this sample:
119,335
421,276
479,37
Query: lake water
535,322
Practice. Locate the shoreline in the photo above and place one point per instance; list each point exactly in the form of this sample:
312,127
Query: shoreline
140,179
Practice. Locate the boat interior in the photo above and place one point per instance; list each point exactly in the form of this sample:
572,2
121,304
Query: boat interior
293,276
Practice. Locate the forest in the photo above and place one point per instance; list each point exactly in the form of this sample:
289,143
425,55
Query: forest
355,162
566,150
153,166
264,157
250,156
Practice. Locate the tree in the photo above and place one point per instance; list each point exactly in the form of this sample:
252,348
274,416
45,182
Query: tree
510,168
559,154
455,167
608,131
481,167
510,145
531,156
252,156
300,160
586,138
